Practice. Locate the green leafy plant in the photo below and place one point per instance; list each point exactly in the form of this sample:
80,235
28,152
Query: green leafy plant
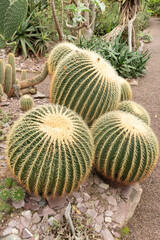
146,37
127,64
125,231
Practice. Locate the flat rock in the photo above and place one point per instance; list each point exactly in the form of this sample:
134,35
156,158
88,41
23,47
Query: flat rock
12,223
36,218
104,186
100,219
92,213
31,206
108,220
27,214
108,213
56,203
11,237
79,200
112,201
47,211
86,196
98,228
24,221
39,95
18,204
107,235
26,234
7,231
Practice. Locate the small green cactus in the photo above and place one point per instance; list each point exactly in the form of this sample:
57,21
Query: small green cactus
8,182
58,53
4,194
126,91
50,150
23,75
17,194
2,205
85,83
26,102
8,79
1,72
126,149
11,61
135,109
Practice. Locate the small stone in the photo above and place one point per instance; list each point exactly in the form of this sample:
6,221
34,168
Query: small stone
107,235
133,82
34,227
18,204
116,234
108,213
79,200
101,209
100,190
56,203
112,201
115,226
92,213
47,211
86,196
25,222
104,196
96,203
43,202
100,219
39,95
14,231
76,194
108,220
12,237
104,186
31,206
51,221
12,223
26,234
7,231
36,218
98,228
2,157
58,217
27,214
82,209
97,180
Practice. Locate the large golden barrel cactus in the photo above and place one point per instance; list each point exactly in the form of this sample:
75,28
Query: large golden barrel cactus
50,150
58,53
126,90
136,109
86,83
126,149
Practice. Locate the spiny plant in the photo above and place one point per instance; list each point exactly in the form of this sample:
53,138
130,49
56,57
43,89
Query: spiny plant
23,75
126,149
57,150
3,96
1,72
135,109
11,61
17,194
4,194
126,91
86,83
58,53
8,79
26,102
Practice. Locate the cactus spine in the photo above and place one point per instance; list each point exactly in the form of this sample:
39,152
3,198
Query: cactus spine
126,149
50,150
26,102
11,61
126,91
1,72
86,83
135,109
58,53
8,79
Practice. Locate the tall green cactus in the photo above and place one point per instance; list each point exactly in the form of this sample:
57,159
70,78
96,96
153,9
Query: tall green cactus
86,83
8,79
126,149
1,72
3,96
135,109
58,53
126,91
11,61
50,150
23,75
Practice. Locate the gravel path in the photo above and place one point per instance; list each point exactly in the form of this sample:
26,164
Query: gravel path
145,224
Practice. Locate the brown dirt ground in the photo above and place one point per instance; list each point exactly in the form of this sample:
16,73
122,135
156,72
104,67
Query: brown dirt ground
145,224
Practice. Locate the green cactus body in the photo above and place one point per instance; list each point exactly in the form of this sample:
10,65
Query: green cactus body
3,96
26,102
86,83
1,72
23,75
135,109
4,4
11,61
126,91
8,79
50,150
126,149
58,53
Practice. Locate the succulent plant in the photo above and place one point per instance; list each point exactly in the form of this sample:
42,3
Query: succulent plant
50,150
17,194
11,61
2,206
3,96
58,53
23,75
7,208
8,182
4,194
126,149
86,83
1,72
135,109
8,79
126,91
26,102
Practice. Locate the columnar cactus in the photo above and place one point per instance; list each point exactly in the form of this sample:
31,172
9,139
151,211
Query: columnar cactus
23,75
8,79
135,109
11,61
86,83
3,96
126,149
50,150
126,91
1,72
58,53
26,102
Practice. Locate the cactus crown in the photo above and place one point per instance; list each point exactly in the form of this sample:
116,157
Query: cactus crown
57,150
58,53
86,83
126,147
135,109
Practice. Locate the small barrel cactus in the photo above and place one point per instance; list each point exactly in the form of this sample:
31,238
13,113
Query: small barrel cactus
86,83
126,91
126,149
50,150
8,79
26,102
58,53
17,194
135,109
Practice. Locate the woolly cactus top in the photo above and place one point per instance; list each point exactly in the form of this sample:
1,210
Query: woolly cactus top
50,150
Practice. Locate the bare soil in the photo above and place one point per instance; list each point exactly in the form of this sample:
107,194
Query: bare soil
145,224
